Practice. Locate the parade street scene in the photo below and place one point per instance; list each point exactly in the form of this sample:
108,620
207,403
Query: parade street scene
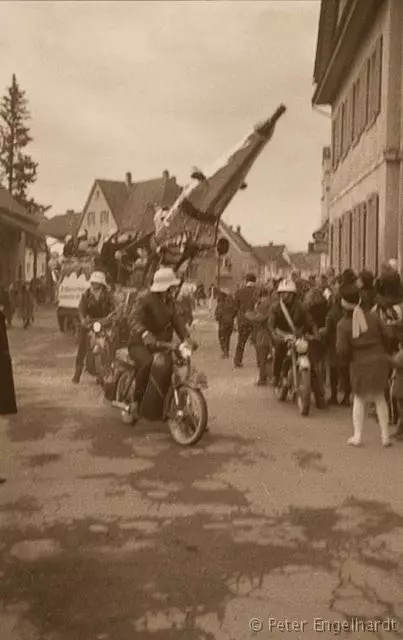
201,320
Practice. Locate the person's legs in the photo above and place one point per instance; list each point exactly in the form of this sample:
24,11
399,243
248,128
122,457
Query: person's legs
81,352
262,354
143,359
244,332
334,384
280,351
383,418
346,384
399,431
358,420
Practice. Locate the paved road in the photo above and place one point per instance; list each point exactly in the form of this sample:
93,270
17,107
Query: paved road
113,533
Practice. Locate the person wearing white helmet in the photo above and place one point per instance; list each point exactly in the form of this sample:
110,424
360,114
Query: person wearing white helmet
96,303
289,316
154,318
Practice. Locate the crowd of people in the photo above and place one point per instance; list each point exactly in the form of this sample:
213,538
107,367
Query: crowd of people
19,300
357,322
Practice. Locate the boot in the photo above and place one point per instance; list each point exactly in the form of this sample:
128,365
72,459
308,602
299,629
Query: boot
77,375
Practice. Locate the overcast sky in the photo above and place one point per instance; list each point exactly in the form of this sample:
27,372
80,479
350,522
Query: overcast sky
147,86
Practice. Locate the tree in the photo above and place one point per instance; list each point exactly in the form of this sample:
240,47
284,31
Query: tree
17,169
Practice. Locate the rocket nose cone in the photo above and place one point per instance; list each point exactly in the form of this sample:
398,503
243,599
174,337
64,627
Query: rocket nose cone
266,128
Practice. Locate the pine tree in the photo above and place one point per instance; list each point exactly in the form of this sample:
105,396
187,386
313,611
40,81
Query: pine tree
17,169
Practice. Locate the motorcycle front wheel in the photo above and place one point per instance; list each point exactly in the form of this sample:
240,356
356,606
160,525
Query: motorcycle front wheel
304,392
122,389
188,419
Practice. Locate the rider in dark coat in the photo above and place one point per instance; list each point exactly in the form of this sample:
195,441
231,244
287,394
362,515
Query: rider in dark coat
245,300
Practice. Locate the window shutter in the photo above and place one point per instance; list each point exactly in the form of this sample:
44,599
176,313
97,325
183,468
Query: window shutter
336,245
343,130
367,96
372,232
334,139
377,78
355,241
347,232
356,101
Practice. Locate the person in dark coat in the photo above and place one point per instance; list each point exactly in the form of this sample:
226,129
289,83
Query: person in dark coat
245,300
154,318
396,390
361,339
5,305
8,403
262,336
225,315
365,283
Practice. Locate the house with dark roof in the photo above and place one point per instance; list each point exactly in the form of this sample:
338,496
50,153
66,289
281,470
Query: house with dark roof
60,226
275,260
22,246
306,263
240,260
126,205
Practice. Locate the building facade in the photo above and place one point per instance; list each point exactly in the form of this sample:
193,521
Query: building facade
234,266
358,72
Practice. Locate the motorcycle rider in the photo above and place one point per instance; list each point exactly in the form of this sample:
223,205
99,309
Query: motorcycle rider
97,303
154,318
279,323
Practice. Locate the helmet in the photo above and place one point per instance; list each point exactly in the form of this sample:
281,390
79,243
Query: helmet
287,286
163,280
98,277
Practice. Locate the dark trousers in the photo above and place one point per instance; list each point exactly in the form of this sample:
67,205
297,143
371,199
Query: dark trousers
262,356
244,333
143,359
344,373
82,349
399,403
225,330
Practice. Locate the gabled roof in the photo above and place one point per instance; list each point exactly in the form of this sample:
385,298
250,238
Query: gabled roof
60,226
13,214
143,198
302,261
271,253
132,206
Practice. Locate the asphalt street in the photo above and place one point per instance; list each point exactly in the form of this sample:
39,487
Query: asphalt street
110,532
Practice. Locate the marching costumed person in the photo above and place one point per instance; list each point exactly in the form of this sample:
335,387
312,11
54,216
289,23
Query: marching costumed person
225,315
361,339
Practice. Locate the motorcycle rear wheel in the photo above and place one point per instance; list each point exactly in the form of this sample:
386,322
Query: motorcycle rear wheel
188,429
304,393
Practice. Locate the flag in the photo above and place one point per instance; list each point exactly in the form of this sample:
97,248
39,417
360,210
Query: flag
201,204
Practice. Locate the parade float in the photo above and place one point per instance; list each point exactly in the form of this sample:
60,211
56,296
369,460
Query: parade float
179,234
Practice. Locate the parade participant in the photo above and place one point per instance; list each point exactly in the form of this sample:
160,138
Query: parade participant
348,278
5,305
245,300
396,389
97,303
360,339
317,306
154,318
225,315
8,404
365,283
262,338
25,304
289,316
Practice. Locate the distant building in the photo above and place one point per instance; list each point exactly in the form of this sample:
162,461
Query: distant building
23,254
58,227
240,260
114,205
358,72
306,263
275,261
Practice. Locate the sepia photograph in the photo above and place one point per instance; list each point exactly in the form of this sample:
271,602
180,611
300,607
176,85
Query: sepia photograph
201,319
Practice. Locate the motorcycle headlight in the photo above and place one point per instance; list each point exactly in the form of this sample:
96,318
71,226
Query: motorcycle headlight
301,346
97,327
185,351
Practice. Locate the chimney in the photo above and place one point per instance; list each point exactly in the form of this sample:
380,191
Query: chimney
165,174
238,230
128,179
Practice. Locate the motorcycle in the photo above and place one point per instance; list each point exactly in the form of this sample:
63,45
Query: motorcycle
99,353
296,374
183,406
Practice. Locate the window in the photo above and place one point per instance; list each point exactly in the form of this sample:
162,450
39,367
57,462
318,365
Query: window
372,233
91,218
104,217
375,83
343,130
356,110
345,252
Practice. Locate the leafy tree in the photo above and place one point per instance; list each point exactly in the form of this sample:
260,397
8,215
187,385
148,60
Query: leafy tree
17,168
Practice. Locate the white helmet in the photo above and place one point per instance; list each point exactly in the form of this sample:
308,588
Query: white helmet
163,280
287,286
98,277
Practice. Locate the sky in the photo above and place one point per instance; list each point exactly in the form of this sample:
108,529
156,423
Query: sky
146,86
